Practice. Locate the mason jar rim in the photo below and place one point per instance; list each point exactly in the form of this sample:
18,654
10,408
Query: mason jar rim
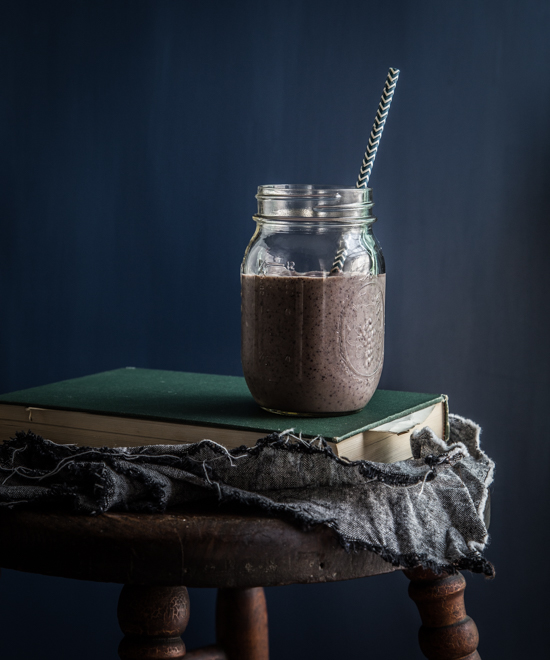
309,189
312,202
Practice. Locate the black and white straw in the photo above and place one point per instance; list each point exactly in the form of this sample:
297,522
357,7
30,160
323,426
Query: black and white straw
341,254
376,133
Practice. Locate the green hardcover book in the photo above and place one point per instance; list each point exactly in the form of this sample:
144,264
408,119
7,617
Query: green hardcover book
129,407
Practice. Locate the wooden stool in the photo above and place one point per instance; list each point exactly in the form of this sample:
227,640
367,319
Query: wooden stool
154,555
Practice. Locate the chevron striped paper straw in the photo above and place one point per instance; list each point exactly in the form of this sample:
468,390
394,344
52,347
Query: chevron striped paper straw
341,254
376,133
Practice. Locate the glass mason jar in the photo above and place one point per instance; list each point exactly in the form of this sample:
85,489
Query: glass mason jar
313,293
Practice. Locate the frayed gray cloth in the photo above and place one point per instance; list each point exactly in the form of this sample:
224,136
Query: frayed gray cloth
427,511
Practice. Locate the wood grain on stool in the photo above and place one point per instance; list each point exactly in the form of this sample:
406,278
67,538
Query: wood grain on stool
241,623
152,620
447,632
194,546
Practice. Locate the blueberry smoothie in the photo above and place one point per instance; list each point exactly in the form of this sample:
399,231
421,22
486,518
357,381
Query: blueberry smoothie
313,344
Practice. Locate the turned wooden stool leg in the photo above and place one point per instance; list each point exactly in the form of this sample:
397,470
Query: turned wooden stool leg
241,623
447,633
152,620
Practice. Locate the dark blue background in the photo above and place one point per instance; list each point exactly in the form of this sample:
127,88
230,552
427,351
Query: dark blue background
134,135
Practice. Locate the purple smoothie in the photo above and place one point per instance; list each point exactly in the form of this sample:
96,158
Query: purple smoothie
312,344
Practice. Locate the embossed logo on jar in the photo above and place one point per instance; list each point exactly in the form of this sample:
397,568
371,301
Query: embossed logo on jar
362,331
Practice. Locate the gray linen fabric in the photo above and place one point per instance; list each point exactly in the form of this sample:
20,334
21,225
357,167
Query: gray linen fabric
427,511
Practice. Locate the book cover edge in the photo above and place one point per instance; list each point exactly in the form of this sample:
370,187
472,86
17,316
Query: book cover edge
258,428
442,398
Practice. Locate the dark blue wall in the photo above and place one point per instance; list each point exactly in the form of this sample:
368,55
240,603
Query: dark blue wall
134,135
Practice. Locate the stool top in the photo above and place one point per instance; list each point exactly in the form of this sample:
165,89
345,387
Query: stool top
193,546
